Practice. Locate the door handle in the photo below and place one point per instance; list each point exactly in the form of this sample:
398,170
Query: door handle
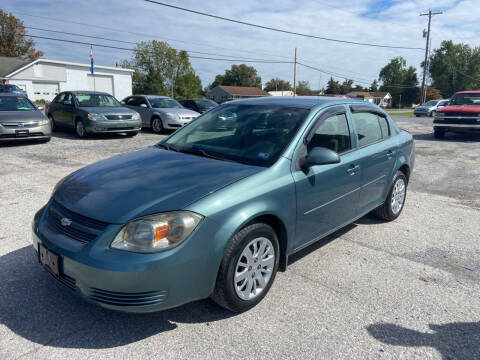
352,170
390,154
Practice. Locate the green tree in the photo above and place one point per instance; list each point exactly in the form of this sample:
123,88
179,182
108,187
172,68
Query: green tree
13,41
374,86
455,67
333,87
346,86
239,75
303,88
161,70
359,88
400,81
277,85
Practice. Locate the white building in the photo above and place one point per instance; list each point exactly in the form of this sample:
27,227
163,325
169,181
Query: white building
44,79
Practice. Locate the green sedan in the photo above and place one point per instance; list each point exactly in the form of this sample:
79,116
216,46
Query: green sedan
88,112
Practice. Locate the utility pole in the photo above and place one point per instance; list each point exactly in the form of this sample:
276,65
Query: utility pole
295,74
424,89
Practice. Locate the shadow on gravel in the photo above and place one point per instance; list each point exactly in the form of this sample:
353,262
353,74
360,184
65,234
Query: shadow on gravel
449,137
36,307
72,136
458,340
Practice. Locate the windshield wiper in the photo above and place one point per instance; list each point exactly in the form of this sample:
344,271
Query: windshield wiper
200,152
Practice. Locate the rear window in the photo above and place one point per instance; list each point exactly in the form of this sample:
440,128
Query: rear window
368,128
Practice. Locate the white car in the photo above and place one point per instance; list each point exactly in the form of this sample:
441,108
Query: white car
430,107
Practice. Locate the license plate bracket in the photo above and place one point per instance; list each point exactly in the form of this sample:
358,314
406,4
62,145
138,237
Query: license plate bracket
49,259
22,133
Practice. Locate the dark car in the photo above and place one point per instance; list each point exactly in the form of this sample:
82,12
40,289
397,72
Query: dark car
20,119
12,89
216,212
198,105
89,112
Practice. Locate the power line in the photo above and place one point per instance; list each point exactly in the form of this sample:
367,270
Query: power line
143,34
128,42
281,30
266,61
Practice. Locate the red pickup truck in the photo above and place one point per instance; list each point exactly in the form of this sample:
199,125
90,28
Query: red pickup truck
461,115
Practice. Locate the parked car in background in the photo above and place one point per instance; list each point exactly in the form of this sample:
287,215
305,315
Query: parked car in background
428,108
461,115
215,212
160,112
441,104
20,119
13,89
198,105
89,112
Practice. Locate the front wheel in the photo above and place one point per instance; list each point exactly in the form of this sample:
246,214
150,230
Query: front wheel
80,129
439,134
393,205
248,268
52,123
157,125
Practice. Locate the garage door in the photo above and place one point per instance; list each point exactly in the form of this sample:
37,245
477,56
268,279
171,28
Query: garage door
102,83
44,90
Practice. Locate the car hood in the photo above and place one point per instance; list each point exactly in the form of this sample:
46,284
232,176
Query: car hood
468,109
105,110
21,116
145,182
184,112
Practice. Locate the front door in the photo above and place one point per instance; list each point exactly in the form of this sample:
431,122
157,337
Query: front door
64,111
327,195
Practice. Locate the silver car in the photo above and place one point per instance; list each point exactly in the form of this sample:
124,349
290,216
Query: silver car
20,119
160,112
429,108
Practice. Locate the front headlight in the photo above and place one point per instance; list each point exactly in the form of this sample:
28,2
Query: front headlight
156,232
96,117
136,116
171,115
43,122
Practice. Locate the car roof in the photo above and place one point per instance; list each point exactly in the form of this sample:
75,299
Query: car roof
11,94
304,102
86,92
468,91
153,96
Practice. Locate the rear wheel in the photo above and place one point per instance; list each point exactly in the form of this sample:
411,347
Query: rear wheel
80,130
52,123
417,115
248,268
393,205
438,133
157,125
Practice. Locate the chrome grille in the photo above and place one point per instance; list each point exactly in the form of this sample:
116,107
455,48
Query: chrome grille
20,125
119,117
128,299
81,228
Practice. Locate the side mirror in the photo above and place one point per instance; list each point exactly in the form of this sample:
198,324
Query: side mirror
319,156
40,107
143,105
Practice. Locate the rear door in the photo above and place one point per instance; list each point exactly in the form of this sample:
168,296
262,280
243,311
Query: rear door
68,109
377,154
327,195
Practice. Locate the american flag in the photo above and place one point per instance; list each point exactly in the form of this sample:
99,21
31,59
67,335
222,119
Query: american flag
92,67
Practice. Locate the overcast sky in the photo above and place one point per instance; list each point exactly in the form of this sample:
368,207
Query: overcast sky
389,22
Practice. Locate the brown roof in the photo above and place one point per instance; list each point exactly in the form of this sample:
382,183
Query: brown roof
244,90
368,94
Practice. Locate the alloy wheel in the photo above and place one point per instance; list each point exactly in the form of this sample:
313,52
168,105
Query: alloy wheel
157,125
80,129
398,196
254,268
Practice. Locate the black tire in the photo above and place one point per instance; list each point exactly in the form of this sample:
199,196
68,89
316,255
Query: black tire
52,123
430,114
157,125
385,211
417,115
225,294
438,133
132,133
78,124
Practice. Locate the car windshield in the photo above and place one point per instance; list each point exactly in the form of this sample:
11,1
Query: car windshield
466,99
9,88
164,103
431,103
206,104
96,100
15,103
250,134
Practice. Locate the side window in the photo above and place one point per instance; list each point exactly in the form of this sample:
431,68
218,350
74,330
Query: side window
68,99
368,128
332,134
59,98
141,100
384,126
131,101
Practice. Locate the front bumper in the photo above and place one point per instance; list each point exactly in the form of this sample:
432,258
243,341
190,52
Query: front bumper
17,133
133,282
113,126
169,123
459,124
425,112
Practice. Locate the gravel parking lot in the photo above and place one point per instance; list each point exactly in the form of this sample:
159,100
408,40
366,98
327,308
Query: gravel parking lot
406,289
